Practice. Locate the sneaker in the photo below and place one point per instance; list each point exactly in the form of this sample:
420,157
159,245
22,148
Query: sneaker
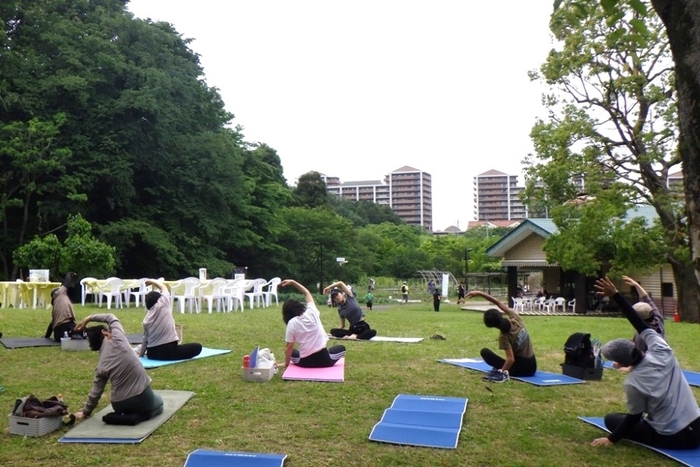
490,374
500,377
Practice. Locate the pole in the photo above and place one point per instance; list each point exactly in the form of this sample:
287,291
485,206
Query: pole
466,268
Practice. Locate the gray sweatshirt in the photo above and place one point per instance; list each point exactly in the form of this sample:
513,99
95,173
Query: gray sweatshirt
118,364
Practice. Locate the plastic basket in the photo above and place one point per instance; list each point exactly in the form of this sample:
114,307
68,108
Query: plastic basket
259,375
594,374
34,426
74,344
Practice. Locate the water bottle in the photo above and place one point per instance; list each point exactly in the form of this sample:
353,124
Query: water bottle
246,361
65,335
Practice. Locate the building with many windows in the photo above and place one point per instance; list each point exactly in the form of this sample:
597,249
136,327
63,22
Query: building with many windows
496,197
407,191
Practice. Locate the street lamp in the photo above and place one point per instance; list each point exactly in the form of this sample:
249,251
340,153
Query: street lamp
466,267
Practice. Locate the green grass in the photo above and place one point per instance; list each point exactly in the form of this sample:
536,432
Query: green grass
326,424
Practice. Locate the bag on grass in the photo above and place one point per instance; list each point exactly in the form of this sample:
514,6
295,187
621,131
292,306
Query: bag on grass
578,351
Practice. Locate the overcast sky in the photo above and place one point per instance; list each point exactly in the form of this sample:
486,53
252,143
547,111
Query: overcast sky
358,89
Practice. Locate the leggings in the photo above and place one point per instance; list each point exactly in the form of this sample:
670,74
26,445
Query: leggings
173,351
148,403
361,329
642,432
523,366
322,359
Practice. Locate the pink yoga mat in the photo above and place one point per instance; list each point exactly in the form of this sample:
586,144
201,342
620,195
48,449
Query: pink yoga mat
333,374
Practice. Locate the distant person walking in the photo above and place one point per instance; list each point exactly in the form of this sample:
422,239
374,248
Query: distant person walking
369,298
461,292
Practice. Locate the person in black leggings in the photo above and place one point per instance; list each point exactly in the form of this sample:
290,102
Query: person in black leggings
160,339
513,339
348,309
661,408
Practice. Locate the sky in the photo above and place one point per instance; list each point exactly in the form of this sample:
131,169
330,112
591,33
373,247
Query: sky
358,89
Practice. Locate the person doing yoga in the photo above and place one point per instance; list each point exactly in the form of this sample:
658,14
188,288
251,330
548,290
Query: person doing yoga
661,408
132,398
350,310
160,339
304,328
513,339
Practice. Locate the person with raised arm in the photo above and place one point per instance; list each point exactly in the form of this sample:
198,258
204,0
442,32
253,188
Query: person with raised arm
132,398
160,339
62,315
661,408
647,310
513,339
348,309
304,328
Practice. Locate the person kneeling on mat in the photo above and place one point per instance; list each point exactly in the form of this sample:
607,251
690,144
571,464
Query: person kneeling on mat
513,339
62,316
349,309
304,327
160,339
133,400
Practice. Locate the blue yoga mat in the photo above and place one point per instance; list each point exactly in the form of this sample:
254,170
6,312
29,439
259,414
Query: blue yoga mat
541,378
428,421
692,377
206,352
689,457
207,458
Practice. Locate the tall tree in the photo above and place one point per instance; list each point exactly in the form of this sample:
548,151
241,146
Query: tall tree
612,125
311,190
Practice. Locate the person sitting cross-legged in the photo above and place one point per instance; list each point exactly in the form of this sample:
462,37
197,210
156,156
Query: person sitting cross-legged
350,310
305,329
160,339
513,339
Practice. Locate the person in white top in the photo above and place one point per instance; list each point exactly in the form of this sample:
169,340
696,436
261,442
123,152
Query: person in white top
304,329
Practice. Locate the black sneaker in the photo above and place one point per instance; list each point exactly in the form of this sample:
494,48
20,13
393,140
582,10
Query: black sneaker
490,374
500,377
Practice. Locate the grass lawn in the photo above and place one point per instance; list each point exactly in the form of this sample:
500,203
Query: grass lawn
327,424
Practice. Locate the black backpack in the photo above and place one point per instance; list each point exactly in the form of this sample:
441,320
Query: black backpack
578,351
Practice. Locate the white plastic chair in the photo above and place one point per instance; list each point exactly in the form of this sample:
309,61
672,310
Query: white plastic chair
213,292
572,305
87,290
112,290
185,291
270,290
518,304
234,294
539,303
560,302
138,294
256,296
548,306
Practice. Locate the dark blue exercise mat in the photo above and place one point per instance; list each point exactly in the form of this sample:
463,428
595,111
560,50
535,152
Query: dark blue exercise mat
689,457
692,377
427,421
541,378
207,458
22,342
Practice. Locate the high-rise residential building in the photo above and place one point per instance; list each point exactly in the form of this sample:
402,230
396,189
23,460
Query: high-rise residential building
496,197
407,191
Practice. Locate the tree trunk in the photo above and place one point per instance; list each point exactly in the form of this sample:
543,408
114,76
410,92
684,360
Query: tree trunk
682,21
687,291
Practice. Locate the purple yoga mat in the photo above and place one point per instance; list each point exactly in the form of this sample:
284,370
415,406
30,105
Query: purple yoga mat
332,374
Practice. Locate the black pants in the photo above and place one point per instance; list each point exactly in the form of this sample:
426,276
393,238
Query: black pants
148,404
321,359
60,330
436,305
173,351
642,432
361,329
521,367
